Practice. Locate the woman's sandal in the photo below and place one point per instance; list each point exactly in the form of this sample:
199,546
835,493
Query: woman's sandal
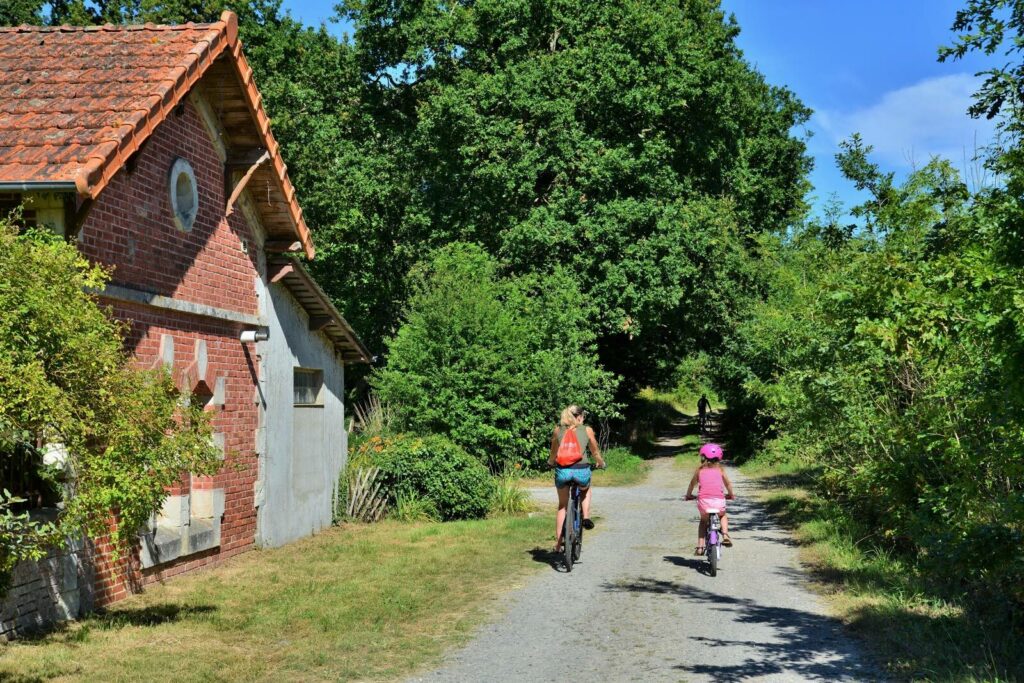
726,541
699,551
588,523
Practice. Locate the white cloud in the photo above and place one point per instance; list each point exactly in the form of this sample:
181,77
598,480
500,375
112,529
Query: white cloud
909,125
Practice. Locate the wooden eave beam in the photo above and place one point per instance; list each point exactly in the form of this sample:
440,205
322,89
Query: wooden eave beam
282,246
280,271
244,158
229,171
319,322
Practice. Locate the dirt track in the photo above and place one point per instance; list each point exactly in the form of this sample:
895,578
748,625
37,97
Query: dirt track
640,607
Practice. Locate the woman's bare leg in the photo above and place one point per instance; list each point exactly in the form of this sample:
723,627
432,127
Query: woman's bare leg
563,503
586,502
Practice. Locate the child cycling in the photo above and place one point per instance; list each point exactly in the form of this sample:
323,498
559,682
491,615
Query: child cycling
714,484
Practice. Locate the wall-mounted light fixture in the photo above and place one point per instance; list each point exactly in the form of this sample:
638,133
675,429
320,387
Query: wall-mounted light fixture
257,335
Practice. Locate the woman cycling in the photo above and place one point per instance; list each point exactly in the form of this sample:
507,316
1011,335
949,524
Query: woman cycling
571,429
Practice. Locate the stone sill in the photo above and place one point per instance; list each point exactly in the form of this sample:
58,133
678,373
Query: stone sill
167,544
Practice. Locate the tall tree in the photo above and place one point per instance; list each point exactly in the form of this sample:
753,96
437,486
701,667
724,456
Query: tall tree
628,142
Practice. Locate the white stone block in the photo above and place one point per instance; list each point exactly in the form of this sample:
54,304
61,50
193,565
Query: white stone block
200,357
208,503
55,455
218,441
167,350
175,512
220,391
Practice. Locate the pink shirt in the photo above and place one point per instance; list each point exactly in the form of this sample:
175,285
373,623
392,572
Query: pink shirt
712,486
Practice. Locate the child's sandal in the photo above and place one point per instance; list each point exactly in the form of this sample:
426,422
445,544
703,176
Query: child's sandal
726,541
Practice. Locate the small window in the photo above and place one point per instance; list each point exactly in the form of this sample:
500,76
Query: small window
308,387
184,195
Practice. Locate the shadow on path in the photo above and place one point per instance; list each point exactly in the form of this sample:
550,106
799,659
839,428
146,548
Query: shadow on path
548,557
697,563
797,642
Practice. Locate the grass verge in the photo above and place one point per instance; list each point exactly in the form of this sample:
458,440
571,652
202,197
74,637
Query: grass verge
916,634
354,603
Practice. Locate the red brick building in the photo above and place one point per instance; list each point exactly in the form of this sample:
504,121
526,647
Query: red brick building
149,146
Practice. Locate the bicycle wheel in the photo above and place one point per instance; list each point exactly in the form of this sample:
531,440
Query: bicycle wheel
577,545
569,534
713,551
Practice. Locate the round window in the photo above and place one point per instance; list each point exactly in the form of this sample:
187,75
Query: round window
184,194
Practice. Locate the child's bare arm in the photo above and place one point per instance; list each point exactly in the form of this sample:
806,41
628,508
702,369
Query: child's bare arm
728,485
693,482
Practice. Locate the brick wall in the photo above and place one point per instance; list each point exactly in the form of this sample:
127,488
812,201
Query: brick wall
131,228
58,587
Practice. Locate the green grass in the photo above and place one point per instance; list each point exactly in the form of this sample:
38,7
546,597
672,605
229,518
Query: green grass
354,603
916,634
624,468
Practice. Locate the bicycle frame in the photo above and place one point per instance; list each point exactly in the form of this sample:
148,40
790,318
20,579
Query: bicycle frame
713,541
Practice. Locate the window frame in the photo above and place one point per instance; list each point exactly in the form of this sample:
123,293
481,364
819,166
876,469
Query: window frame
180,167
318,374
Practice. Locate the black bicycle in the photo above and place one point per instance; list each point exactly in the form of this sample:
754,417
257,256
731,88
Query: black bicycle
704,424
572,528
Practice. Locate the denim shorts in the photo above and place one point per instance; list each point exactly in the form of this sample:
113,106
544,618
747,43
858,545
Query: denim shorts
564,476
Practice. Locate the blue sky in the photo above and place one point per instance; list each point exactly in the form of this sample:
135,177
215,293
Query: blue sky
865,66
868,66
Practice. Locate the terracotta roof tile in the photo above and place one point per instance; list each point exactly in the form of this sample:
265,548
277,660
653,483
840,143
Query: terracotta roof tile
76,102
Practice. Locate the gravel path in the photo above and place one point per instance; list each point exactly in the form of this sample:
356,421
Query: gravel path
639,607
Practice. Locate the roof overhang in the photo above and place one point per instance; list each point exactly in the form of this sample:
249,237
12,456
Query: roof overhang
323,316
215,52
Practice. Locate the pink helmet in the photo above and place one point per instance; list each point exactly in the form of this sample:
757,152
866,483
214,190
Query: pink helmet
711,451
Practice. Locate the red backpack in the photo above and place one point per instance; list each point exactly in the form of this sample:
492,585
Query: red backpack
570,451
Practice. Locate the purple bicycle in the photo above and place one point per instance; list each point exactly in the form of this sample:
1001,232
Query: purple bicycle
713,542
713,537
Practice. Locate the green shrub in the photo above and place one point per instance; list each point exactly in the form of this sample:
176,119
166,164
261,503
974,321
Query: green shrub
66,379
432,468
509,496
491,361
412,507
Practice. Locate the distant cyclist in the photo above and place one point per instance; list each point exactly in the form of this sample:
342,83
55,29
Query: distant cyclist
570,443
703,409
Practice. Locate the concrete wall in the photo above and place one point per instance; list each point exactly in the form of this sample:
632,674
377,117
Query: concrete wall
303,449
56,588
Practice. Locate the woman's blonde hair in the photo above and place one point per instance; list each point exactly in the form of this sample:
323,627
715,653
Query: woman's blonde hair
571,416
